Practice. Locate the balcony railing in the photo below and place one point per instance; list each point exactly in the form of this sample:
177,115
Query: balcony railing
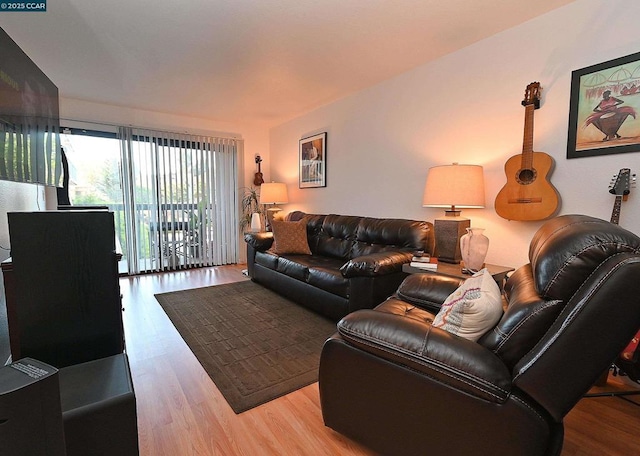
173,240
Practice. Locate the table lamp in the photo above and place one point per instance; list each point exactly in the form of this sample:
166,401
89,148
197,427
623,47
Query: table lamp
453,187
272,193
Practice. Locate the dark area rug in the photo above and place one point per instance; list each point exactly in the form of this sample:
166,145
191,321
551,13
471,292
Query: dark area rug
254,344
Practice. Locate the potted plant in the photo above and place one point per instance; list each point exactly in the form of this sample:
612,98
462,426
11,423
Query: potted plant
250,205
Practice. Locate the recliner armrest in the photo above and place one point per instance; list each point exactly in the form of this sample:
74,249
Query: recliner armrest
260,241
375,264
427,291
457,362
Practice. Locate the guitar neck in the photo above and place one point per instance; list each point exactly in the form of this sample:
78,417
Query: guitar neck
527,140
615,214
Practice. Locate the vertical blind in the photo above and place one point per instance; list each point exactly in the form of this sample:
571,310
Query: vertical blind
29,152
180,199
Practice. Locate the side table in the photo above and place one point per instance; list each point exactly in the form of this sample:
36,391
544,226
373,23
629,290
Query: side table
499,273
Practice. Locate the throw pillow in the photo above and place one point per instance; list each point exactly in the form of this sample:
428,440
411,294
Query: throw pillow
473,309
290,237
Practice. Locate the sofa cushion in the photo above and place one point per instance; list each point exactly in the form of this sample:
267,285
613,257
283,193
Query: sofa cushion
314,230
329,279
294,216
267,259
290,237
293,266
473,309
381,235
299,266
337,236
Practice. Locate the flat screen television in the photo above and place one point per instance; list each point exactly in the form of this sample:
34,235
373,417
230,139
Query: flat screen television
29,119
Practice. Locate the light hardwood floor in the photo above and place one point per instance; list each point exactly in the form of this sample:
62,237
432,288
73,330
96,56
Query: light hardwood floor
181,412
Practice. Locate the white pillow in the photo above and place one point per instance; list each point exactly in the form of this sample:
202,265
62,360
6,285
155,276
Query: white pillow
473,309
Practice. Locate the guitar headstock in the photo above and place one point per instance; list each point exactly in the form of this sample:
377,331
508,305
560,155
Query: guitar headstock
258,159
622,182
532,95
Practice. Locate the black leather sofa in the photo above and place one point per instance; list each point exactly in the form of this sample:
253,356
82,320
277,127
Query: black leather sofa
355,262
394,382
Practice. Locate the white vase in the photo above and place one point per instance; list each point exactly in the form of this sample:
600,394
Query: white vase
255,222
473,248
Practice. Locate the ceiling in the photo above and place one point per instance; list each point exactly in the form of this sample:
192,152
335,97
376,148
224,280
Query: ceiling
248,61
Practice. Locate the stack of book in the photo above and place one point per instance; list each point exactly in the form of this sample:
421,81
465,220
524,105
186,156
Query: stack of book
424,262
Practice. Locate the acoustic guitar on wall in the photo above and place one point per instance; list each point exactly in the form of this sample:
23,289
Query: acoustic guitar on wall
258,179
528,194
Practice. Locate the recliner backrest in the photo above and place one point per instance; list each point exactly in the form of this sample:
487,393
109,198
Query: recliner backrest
585,270
592,329
567,249
526,319
563,253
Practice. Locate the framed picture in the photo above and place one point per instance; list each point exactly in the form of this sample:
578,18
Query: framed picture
604,116
313,161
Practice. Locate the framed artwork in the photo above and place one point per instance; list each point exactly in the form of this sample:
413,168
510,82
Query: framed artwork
313,161
604,116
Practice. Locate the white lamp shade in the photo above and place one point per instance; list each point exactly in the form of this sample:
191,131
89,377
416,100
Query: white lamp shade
458,186
273,193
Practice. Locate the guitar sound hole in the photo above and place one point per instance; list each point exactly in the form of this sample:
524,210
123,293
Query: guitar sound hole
526,176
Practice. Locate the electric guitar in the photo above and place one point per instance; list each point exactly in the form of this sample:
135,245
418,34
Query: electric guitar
258,179
528,194
620,186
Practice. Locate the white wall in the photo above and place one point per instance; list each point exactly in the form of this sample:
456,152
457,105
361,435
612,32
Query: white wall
15,197
465,107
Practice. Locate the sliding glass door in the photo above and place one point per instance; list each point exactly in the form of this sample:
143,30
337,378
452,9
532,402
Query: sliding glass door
174,196
181,200
94,176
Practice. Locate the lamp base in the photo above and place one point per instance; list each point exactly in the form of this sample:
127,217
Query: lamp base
448,231
269,217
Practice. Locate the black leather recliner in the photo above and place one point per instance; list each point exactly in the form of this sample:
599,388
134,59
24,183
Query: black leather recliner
400,386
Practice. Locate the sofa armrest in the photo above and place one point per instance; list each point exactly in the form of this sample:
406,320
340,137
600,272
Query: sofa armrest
427,291
449,359
260,241
375,264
